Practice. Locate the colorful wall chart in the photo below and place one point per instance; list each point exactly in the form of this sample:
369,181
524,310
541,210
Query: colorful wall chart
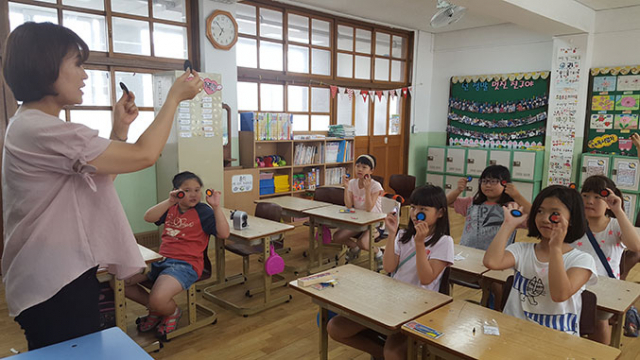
499,111
564,107
613,110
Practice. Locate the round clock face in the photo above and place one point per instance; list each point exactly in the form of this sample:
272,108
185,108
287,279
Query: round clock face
223,30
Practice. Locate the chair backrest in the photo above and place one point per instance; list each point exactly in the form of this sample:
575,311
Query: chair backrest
332,195
587,314
506,289
403,185
206,271
269,211
379,179
445,287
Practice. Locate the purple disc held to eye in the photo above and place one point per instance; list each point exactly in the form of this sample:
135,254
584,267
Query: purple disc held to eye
516,213
469,178
554,218
604,193
180,194
421,216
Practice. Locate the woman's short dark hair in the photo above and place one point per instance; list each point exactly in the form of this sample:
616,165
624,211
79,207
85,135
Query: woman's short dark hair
184,176
572,200
498,172
596,184
33,56
429,196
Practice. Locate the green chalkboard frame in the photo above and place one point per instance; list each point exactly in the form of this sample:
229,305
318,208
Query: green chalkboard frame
500,88
610,144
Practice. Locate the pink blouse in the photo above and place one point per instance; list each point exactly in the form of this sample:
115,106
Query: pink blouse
60,218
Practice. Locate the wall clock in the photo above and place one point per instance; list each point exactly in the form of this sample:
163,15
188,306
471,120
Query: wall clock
222,30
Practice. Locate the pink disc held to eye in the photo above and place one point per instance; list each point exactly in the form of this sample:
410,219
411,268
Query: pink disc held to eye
180,194
554,218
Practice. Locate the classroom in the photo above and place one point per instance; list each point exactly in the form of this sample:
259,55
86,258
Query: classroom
280,179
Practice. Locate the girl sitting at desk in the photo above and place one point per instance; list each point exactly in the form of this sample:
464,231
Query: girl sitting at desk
419,256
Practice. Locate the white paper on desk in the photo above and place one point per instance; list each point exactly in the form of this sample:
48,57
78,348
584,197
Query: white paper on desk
459,257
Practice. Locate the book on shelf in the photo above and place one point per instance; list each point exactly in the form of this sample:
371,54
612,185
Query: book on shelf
333,176
270,126
332,152
305,154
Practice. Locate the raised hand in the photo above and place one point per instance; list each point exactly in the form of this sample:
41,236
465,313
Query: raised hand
214,199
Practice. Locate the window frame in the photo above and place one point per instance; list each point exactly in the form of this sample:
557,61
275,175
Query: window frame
286,78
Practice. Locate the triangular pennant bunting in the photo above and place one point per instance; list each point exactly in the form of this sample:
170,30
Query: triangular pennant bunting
334,90
379,93
404,92
350,93
364,94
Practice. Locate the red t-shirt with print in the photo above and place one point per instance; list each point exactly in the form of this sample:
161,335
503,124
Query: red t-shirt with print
186,235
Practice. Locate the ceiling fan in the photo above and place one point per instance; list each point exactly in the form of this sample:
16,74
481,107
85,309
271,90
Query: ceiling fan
447,14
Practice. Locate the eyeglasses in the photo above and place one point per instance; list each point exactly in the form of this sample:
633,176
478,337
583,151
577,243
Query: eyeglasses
489,182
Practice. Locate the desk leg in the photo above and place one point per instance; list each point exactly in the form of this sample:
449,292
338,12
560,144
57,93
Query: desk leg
220,261
324,336
411,349
267,278
120,302
312,242
372,265
319,247
616,332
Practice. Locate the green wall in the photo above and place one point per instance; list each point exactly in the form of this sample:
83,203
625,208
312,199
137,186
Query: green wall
138,193
418,143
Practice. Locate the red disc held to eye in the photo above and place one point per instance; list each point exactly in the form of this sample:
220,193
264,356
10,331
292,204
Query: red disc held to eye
554,218
209,192
604,193
180,194
573,186
504,182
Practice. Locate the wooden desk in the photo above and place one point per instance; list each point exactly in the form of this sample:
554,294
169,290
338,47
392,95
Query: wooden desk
149,257
107,344
489,277
472,264
371,299
331,216
518,339
613,296
295,207
258,231
616,297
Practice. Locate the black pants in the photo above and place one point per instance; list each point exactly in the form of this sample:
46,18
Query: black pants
71,313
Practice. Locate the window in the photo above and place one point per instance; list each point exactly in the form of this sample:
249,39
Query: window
155,31
304,52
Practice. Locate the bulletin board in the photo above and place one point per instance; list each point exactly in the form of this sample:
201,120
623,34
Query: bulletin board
613,110
500,111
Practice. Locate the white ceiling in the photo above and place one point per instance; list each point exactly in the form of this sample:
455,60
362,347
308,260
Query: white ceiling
408,14
608,4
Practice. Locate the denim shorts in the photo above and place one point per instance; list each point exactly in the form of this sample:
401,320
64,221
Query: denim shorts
177,269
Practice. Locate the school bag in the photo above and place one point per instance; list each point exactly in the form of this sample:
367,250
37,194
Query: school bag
603,259
631,322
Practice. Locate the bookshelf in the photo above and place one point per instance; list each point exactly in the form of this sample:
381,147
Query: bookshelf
301,156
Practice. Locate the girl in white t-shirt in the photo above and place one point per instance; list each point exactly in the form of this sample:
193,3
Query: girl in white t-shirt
549,276
362,193
419,256
612,230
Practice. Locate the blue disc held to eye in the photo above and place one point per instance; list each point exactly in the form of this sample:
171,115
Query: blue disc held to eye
469,178
516,213
421,216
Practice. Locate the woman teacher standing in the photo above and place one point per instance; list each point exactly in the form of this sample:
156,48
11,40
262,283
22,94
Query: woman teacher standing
62,216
